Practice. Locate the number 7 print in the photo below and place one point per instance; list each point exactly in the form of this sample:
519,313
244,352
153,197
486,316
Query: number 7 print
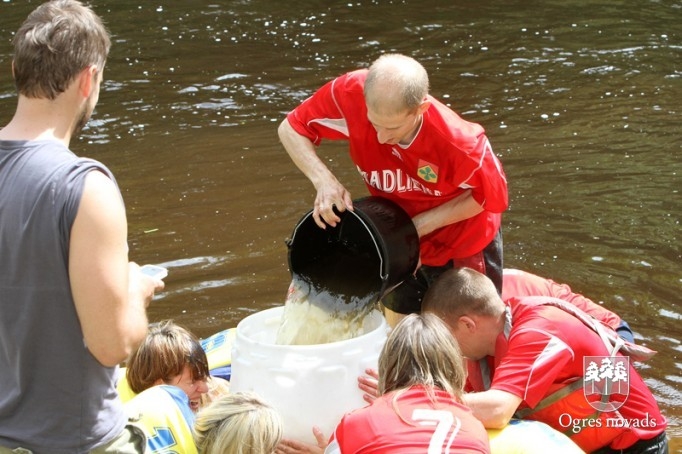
445,422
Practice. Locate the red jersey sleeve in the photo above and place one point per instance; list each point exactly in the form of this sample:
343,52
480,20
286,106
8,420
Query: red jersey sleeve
531,365
320,116
487,180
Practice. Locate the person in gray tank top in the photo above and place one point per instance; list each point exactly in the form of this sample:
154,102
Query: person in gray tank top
72,306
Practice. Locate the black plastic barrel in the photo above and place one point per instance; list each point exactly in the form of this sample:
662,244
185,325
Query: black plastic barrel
372,250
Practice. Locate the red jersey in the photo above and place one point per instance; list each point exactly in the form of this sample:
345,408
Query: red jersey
517,283
447,157
409,422
544,352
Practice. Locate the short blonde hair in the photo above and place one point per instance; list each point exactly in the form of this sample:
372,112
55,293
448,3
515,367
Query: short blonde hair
462,291
238,423
421,351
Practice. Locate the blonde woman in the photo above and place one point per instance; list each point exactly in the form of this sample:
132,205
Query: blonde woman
419,408
238,423
416,406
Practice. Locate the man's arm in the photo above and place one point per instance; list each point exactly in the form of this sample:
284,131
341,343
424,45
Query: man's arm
494,408
110,295
330,192
462,207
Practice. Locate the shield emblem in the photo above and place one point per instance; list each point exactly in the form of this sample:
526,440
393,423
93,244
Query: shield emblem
427,171
606,385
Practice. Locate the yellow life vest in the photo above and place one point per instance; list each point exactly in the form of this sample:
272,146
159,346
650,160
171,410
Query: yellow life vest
164,415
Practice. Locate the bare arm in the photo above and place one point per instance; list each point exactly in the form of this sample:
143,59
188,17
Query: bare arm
330,192
494,408
110,294
458,209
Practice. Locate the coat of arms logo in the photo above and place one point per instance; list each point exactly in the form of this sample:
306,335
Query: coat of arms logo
607,381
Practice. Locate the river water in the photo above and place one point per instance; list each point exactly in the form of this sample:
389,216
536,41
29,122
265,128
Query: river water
581,101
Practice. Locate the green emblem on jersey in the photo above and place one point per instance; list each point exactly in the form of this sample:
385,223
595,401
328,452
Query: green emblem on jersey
428,172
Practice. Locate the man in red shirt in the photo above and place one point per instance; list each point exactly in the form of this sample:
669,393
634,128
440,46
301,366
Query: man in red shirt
543,357
409,148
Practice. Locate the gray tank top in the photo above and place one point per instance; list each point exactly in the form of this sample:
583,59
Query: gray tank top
54,395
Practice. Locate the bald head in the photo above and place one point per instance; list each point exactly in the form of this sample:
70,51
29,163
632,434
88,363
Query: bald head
395,83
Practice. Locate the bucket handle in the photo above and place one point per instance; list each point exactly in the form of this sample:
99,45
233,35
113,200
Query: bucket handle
376,245
383,277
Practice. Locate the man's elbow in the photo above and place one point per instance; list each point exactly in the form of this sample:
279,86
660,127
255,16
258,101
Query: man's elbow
498,418
284,129
108,357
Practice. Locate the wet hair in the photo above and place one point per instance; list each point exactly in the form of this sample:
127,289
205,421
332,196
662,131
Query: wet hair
238,423
461,291
163,354
421,351
55,43
395,83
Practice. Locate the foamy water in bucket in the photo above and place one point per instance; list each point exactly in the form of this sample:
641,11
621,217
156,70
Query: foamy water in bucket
308,384
315,315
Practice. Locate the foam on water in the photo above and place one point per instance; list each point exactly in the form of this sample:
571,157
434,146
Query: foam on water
313,316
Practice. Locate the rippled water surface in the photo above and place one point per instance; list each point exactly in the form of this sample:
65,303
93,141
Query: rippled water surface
581,101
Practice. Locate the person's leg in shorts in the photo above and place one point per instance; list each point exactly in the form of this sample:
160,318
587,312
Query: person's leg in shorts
488,261
131,441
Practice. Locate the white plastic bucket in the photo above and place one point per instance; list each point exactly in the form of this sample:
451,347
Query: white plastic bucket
310,385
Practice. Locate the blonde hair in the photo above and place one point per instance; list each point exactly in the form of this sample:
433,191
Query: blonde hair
461,291
238,423
421,351
395,83
163,354
55,43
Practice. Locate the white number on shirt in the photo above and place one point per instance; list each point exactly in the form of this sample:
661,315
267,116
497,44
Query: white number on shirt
444,422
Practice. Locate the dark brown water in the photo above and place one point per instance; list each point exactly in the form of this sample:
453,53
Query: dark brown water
581,100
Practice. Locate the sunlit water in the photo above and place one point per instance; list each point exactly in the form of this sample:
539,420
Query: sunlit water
580,101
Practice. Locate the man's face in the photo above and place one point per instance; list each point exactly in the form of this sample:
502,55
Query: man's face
395,128
475,338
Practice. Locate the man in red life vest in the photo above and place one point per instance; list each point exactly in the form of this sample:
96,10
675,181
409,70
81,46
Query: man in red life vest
531,357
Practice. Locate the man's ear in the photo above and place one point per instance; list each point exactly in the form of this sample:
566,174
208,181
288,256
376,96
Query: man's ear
423,106
87,80
467,324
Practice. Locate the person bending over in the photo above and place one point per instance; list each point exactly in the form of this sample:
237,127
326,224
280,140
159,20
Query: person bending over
542,358
412,149
418,407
